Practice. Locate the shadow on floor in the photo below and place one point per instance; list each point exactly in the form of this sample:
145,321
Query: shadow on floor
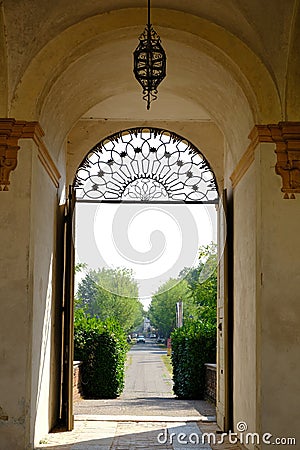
92,435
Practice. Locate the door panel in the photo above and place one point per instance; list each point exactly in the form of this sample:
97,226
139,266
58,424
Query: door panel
224,317
68,296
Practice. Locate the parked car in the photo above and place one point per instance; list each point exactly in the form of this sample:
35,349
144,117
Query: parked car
140,339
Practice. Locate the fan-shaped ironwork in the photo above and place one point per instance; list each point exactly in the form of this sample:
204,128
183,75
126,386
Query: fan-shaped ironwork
148,165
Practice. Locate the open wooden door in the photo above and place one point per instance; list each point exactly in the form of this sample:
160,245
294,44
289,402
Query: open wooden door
68,315
224,407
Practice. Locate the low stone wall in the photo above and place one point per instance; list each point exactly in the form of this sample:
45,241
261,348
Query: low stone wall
210,382
77,380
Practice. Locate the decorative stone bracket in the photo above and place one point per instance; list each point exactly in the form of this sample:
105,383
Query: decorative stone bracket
11,131
286,137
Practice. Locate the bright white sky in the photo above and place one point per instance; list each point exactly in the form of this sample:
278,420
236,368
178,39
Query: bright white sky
156,241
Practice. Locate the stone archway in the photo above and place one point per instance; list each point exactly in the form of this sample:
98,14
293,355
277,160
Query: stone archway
60,71
152,165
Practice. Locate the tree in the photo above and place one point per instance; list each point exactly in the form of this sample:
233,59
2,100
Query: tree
162,311
111,293
191,275
204,292
195,343
196,287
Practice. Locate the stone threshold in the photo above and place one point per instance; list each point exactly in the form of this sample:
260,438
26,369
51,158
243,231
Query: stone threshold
132,418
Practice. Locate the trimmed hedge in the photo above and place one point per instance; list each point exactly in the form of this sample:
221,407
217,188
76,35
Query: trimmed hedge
193,345
102,348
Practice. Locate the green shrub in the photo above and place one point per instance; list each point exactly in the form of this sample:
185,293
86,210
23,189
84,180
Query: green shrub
102,348
193,345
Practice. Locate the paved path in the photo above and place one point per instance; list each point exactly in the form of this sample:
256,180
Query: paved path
146,374
148,392
147,416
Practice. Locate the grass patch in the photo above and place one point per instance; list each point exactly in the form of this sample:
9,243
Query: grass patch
167,362
129,360
161,345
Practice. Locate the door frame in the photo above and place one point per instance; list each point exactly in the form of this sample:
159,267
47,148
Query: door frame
67,417
225,314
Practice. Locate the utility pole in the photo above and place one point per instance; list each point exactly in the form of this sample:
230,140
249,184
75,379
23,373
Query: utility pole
179,314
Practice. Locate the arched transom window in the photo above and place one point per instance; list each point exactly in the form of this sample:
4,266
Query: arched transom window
145,165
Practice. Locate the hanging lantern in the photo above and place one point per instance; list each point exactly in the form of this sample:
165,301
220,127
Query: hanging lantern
149,62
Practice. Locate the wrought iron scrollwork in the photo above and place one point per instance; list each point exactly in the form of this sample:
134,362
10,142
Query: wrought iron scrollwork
145,164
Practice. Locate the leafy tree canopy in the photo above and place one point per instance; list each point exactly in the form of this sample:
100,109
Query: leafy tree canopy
162,311
196,287
111,293
204,292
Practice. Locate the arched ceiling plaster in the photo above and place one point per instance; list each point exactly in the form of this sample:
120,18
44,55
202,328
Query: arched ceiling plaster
70,57
106,73
85,36
130,106
292,99
262,26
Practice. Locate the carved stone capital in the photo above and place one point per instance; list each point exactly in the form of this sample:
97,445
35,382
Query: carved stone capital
286,136
11,131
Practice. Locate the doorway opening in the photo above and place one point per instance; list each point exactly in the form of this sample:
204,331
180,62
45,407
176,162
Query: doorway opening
130,181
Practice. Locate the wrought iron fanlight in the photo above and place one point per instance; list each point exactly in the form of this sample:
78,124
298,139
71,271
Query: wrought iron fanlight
149,62
149,165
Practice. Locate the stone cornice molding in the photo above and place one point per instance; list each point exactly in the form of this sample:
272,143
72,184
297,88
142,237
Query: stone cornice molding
11,131
286,137
259,133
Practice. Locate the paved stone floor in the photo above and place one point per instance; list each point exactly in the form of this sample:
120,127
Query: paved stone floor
144,435
147,416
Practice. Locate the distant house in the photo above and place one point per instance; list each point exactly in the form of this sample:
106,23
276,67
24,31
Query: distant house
146,325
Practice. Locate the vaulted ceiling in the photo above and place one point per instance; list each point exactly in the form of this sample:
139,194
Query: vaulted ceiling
234,62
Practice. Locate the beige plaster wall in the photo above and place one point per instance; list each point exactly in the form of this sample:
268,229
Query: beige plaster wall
245,381
293,69
42,275
27,264
4,68
280,304
266,302
15,294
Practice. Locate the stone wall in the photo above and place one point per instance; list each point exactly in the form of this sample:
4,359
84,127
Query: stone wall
210,382
77,381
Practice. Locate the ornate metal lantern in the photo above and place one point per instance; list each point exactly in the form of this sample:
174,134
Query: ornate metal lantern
149,62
